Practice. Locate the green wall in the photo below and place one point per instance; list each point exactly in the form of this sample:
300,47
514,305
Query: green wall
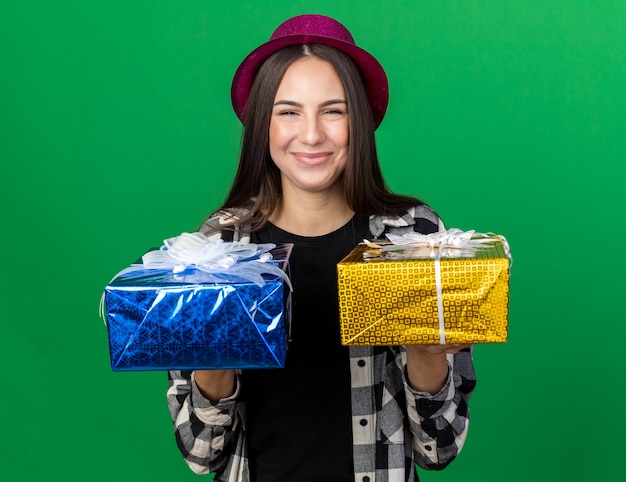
116,132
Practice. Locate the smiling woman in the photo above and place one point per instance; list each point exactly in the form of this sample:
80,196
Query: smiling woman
310,101
309,143
257,182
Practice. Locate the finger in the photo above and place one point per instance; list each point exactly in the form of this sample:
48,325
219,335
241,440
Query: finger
456,347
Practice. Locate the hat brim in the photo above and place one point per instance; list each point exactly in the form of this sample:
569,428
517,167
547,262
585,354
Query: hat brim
374,77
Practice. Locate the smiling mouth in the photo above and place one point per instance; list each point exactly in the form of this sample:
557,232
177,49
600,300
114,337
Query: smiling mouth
312,158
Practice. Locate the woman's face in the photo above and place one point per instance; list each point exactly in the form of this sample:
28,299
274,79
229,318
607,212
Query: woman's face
309,127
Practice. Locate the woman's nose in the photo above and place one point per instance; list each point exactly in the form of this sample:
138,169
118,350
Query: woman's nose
311,131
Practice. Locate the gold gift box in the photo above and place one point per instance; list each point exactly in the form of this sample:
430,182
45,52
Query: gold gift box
394,302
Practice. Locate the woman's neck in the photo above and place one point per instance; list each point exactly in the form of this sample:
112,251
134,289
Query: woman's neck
311,214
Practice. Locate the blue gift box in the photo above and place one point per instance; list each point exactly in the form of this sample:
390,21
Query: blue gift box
158,319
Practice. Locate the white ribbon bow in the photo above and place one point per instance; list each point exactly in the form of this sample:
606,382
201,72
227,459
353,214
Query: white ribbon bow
446,244
194,250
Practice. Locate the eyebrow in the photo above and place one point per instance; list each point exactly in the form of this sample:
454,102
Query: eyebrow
297,104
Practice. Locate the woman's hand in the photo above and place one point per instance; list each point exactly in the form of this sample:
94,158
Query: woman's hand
427,366
215,384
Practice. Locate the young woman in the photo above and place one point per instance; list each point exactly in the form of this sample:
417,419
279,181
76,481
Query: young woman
310,101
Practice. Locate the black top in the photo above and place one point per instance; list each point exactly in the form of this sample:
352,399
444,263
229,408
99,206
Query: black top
298,419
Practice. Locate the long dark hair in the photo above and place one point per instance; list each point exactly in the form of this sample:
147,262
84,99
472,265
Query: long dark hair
257,183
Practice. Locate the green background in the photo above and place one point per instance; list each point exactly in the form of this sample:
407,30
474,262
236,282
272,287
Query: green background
116,132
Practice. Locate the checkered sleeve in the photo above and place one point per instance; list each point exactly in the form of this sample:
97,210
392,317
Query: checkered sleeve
439,422
222,225
208,435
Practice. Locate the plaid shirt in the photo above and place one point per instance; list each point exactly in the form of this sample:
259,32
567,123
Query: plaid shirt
393,425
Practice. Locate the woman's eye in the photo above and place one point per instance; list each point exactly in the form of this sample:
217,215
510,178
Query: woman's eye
287,112
335,111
